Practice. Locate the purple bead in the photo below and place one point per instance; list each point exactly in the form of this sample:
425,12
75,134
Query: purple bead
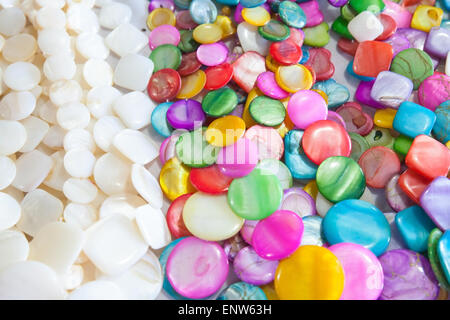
251,268
438,42
396,198
415,37
362,94
247,230
337,3
233,245
407,276
238,111
435,199
334,116
186,114
399,42
312,11
299,201
391,89
238,13
155,4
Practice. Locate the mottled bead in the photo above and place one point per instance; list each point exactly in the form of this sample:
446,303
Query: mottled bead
441,128
251,268
434,90
242,291
296,160
414,64
433,256
426,17
203,11
312,231
395,196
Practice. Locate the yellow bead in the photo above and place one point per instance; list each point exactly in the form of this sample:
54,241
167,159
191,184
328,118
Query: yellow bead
249,122
159,17
226,10
447,144
294,78
310,273
384,118
257,16
192,85
270,292
311,189
322,94
271,64
207,33
227,26
174,179
426,17
225,131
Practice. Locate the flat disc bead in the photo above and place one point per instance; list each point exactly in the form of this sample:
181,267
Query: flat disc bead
239,159
252,268
268,86
194,151
160,16
209,180
285,52
305,107
270,144
279,169
166,56
242,291
225,131
174,179
185,114
266,111
164,85
212,54
187,43
247,69
294,78
433,256
219,102
292,14
174,217
203,11
164,34
207,33
189,64
395,196
274,31
192,85
257,16
218,76
184,20
379,164
298,201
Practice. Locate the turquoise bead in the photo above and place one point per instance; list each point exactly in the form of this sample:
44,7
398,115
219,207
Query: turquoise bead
228,2
445,23
291,14
357,221
295,158
414,226
353,74
444,253
251,3
305,54
312,231
182,4
159,120
412,120
337,93
441,128
203,11
242,291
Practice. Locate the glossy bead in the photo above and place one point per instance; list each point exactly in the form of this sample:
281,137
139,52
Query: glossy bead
227,26
379,137
359,145
433,201
174,217
233,245
379,164
389,27
167,149
426,17
340,178
292,14
212,54
414,64
189,64
164,85
434,91
365,27
433,256
239,159
312,272
174,179
242,291
219,102
340,26
299,202
164,34
268,86
159,120
300,166
252,268
154,4
372,57
218,76
252,3
166,56
413,184
320,61
247,69
317,36
312,232
395,196
306,107
355,119
391,89
257,16
412,120
209,180
185,114
274,31
399,13
225,131
266,111
374,6
440,129
438,42
207,33
187,43
159,17
192,85
363,94
348,46
443,250
194,151
279,169
285,52
203,11
184,20
337,93
347,220
312,11
293,78
384,118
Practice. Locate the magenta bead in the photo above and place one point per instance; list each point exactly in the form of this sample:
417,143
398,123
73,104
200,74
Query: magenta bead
239,159
251,268
278,236
362,94
268,85
238,14
212,54
362,270
399,13
155,4
247,230
434,91
164,34
268,140
312,11
299,201
306,107
196,268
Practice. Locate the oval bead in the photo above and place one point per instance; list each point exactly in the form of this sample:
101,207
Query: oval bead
210,180
219,102
192,85
294,78
194,151
299,201
239,159
186,114
160,16
164,85
174,179
218,76
266,111
174,217
379,164
166,56
225,131
274,31
207,33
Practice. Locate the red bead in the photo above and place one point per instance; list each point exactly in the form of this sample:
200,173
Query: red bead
320,61
389,25
372,57
174,217
218,76
428,157
189,64
164,85
296,36
209,180
348,46
356,120
324,139
285,52
379,164
413,184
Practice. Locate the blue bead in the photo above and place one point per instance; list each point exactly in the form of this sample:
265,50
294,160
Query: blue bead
291,14
203,11
412,120
353,74
445,24
252,3
414,226
312,231
337,93
295,158
159,120
242,291
441,128
357,221
182,4
443,250
305,54
228,2
445,4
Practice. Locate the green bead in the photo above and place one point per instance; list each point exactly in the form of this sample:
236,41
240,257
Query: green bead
194,151
359,145
348,13
340,27
317,36
402,144
279,169
340,178
375,6
187,43
380,137
274,31
266,111
414,64
166,56
255,196
433,240
217,103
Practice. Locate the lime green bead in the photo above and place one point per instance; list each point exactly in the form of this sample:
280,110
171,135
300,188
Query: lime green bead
340,27
402,144
359,145
194,151
219,102
317,36
380,137
166,56
266,111
348,13
375,6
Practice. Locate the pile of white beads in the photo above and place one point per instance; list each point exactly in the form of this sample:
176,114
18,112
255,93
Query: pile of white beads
79,211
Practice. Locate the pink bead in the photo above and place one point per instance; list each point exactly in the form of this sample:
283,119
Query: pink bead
278,236
314,16
363,272
268,140
399,13
306,107
167,148
247,230
297,35
434,90
164,34
212,54
268,85
334,116
239,159
196,268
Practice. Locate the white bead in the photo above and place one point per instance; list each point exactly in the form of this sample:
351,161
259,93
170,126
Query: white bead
105,129
101,3
447,64
39,208
2,42
10,211
53,41
12,21
80,190
73,278
46,110
36,131
365,27
147,186
125,204
13,247
136,146
17,105
114,244
114,14
100,101
133,72
60,67
98,73
8,172
58,175
55,137
21,47
134,109
79,139
30,280
251,40
52,3
153,226
73,115
65,91
322,205
126,39
143,281
17,136
88,3
112,174
80,18
80,215
79,163
91,46
51,17
11,3
22,76
97,290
